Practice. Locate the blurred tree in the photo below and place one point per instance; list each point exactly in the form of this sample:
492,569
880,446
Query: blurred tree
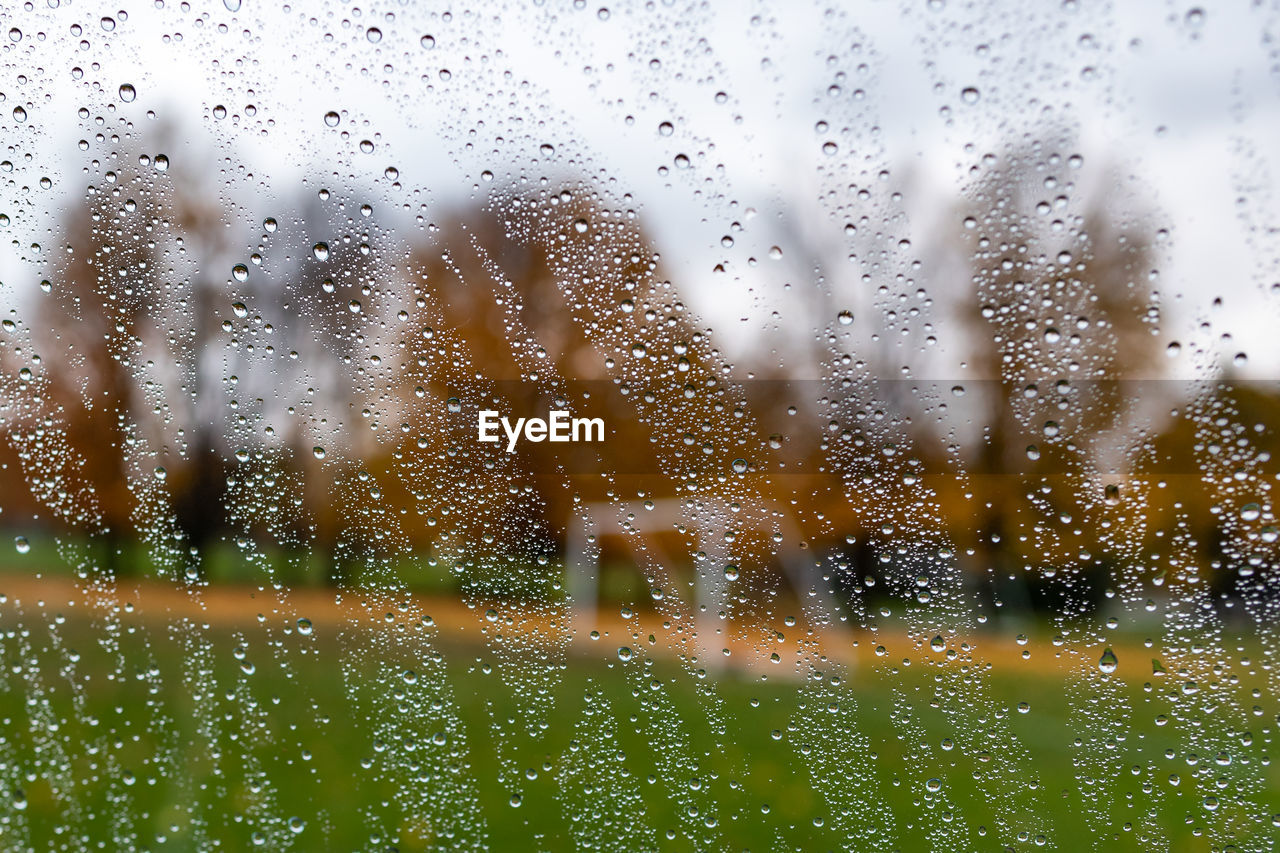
1057,317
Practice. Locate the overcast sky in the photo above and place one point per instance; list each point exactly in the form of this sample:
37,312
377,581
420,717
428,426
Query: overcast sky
1179,103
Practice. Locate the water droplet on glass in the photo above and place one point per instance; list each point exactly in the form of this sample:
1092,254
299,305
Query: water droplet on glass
240,309
127,92
731,572
240,272
453,405
1108,663
231,5
304,626
970,95
373,34
739,466
317,452
937,643
624,653
1250,512
331,118
21,544
321,251
427,42
15,35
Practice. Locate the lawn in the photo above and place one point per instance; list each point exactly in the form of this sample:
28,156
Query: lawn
128,731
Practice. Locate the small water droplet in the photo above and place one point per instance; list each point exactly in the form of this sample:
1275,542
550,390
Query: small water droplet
624,653
845,318
240,272
127,92
373,34
1108,662
970,95
331,118
317,452
21,544
321,251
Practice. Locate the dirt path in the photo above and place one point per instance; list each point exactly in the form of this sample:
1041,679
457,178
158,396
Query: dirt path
470,622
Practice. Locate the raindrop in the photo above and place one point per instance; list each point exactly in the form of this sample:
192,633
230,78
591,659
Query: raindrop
845,318
240,272
231,5
1250,512
427,42
240,309
317,452
321,251
21,544
739,466
304,626
373,34
15,35
970,95
731,572
1108,663
331,118
127,92
624,653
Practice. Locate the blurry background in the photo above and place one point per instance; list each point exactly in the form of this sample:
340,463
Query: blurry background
931,321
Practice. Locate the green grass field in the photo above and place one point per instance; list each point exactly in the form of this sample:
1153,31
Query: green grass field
177,737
